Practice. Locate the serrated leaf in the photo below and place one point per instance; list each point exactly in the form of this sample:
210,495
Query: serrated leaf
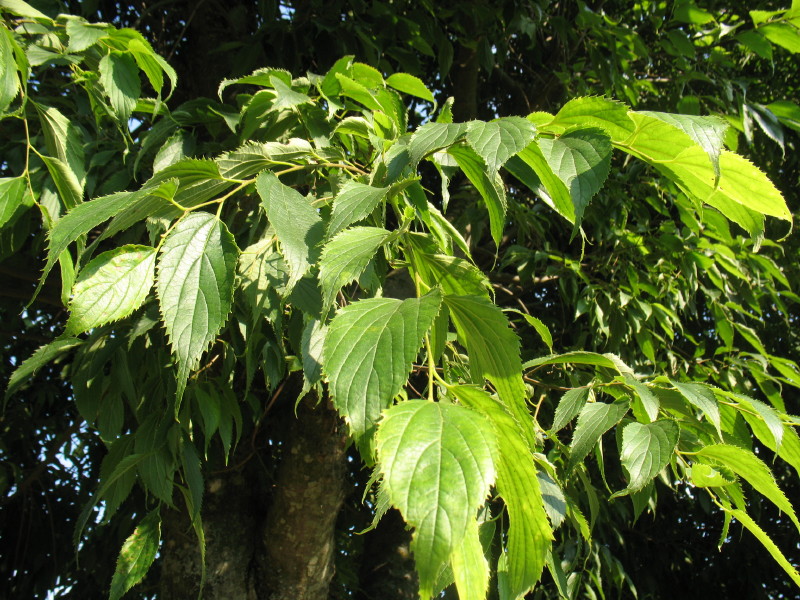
437,462
649,400
354,202
82,34
312,345
408,84
581,159
69,188
286,96
9,79
497,141
470,568
14,199
23,9
177,147
595,111
704,475
345,257
569,406
577,358
766,541
37,360
137,554
646,450
369,351
196,272
532,169
64,141
593,421
80,220
702,397
753,470
358,92
111,287
783,34
432,137
297,224
706,132
493,350
454,275
119,76
764,412
529,533
489,185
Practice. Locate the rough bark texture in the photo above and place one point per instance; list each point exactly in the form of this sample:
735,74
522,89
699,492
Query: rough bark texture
298,541
230,522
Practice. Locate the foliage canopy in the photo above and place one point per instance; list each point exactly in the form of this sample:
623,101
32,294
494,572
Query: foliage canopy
310,240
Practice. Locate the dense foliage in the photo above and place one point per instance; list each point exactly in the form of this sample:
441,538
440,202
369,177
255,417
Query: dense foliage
539,330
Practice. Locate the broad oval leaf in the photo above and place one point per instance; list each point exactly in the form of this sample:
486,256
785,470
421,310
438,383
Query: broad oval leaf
702,397
111,287
497,141
346,256
437,462
569,406
119,76
369,350
137,554
581,159
408,84
432,137
594,111
196,273
297,224
594,420
646,450
354,202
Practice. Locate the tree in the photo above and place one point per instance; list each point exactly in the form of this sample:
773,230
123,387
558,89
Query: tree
239,274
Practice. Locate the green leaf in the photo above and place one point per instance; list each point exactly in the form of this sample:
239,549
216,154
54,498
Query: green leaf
81,220
782,34
704,475
532,169
454,275
432,137
23,9
14,199
576,358
529,533
493,350
540,328
470,568
345,257
119,76
750,468
593,421
82,34
706,132
702,397
763,412
64,141
151,63
297,224
137,554
497,141
111,287
408,84
437,462
646,450
766,541
287,97
369,351
649,401
594,111
37,360
353,89
489,185
69,188
196,272
569,406
581,159
9,79
354,202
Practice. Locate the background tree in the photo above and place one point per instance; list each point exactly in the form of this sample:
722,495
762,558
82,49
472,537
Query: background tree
667,286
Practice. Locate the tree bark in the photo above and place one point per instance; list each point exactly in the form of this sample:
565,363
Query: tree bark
298,538
264,544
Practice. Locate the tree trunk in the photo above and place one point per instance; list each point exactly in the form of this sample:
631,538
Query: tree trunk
298,538
387,570
262,544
